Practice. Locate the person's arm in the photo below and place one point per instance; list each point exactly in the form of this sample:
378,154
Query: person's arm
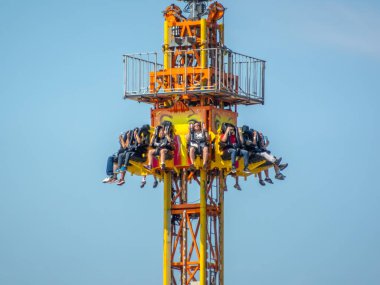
207,138
123,143
241,135
128,141
168,137
151,140
267,143
137,137
255,138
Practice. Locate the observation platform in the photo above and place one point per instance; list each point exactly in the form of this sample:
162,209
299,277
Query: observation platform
225,76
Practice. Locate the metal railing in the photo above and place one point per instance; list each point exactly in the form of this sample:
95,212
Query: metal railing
137,70
213,70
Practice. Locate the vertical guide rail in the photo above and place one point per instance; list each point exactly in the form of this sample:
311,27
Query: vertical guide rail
125,75
166,45
167,229
155,74
184,228
221,228
203,228
263,82
203,50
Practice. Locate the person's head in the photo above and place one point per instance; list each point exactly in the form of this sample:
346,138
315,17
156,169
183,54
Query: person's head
161,132
197,126
261,135
232,131
245,129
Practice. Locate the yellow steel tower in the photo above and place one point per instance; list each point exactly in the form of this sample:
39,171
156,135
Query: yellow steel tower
200,80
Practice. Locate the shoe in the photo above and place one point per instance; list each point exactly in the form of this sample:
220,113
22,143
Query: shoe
268,180
142,184
108,179
120,182
283,166
278,161
246,170
233,169
237,187
191,167
163,167
280,176
114,178
155,183
149,167
262,183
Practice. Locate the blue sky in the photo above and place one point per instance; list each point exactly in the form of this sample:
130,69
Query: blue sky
61,112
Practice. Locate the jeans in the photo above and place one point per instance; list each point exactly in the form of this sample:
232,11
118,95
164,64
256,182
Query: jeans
110,160
242,153
123,158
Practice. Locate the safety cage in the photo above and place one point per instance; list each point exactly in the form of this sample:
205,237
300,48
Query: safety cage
213,71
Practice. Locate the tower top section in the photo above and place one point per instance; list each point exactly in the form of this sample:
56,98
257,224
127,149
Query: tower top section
197,67
196,8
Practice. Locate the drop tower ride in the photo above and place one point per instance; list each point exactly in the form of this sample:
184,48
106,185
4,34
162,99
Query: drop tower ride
199,79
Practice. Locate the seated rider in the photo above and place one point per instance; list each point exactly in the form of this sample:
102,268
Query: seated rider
261,143
197,141
138,144
233,146
161,143
111,175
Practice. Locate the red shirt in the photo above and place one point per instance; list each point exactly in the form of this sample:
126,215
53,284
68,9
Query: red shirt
232,138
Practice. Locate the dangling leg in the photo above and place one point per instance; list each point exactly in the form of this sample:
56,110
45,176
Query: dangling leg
237,186
150,159
143,181
163,157
205,157
261,181
232,151
192,157
267,178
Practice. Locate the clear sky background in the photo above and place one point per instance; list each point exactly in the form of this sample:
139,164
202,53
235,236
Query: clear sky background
61,111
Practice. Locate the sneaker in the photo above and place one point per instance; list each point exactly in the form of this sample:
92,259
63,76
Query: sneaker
246,170
108,179
143,182
120,182
237,187
114,178
283,166
163,167
268,180
278,161
233,169
155,183
262,183
280,176
149,167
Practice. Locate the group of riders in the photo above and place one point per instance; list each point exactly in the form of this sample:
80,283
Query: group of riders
235,142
